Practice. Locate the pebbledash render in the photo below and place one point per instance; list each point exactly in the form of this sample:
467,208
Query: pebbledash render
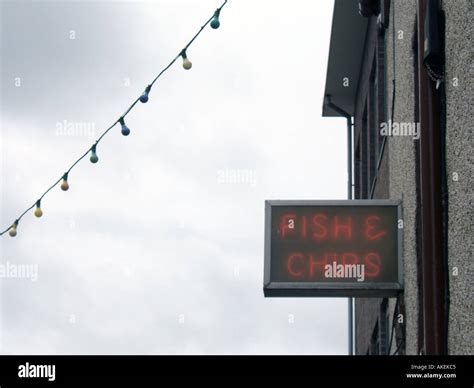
410,63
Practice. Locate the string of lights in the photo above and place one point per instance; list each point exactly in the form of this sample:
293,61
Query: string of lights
214,22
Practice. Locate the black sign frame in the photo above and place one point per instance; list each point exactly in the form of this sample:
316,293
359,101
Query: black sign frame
325,289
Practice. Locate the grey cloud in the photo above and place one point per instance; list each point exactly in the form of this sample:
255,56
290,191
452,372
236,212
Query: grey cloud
149,251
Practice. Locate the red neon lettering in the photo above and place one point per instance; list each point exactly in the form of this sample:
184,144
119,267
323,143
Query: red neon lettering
304,227
321,232
344,228
315,264
350,258
370,232
285,224
373,264
290,264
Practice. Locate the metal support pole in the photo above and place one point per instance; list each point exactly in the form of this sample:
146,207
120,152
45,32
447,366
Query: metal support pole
349,196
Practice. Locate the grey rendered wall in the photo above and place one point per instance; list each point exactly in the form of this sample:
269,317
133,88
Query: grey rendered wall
398,168
402,182
396,178
460,151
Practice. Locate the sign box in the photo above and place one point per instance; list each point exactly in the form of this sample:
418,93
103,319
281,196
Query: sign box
344,248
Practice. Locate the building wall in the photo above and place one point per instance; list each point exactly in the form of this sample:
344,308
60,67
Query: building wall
366,309
402,160
396,178
459,155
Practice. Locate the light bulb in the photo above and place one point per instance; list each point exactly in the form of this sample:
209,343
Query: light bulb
215,23
65,184
144,96
187,64
94,158
38,211
125,129
12,231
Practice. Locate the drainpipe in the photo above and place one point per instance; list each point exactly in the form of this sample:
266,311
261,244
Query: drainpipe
433,260
343,113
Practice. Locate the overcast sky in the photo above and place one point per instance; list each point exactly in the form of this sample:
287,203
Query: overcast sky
158,248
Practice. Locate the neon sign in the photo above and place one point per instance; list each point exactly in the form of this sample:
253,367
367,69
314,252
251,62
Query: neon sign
333,248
